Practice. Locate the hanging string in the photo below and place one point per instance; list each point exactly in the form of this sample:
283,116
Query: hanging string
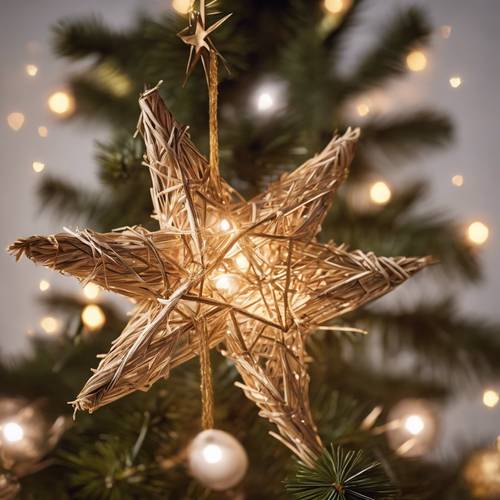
207,389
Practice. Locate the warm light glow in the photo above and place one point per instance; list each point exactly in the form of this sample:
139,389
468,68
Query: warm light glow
445,31
12,432
31,70
91,291
380,193
43,131
242,262
455,82
93,317
38,166
363,109
225,225
265,101
414,424
416,60
15,120
457,180
182,6
212,453
478,233
49,324
337,6
226,283
61,103
44,285
490,398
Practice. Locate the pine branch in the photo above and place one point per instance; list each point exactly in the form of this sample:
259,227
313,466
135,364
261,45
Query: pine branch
341,475
386,59
406,135
453,347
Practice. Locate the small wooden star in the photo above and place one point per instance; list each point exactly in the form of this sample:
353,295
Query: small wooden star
248,275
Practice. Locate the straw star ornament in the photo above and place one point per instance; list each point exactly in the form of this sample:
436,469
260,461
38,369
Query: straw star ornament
248,276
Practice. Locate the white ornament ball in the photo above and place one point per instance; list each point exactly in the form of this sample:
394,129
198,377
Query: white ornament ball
217,459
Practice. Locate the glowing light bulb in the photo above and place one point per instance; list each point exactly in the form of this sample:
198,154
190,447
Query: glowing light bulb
457,180
44,285
13,432
380,193
226,283
31,70
478,233
50,325
242,262
363,109
61,103
91,291
182,6
93,317
225,225
212,453
414,424
416,60
265,101
43,131
455,82
490,398
15,120
337,6
38,166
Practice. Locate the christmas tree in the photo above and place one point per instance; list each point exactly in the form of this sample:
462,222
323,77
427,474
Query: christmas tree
376,422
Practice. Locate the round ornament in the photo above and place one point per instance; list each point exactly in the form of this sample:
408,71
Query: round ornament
217,459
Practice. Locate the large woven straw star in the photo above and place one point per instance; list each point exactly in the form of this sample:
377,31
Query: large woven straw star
248,275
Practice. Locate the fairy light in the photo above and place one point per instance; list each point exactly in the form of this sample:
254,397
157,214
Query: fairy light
38,166
363,109
91,291
490,398
31,70
457,180
61,103
380,193
12,432
478,233
212,453
49,325
265,101
225,225
15,120
43,131
182,6
414,424
93,317
455,82
242,262
44,285
226,283
337,6
416,60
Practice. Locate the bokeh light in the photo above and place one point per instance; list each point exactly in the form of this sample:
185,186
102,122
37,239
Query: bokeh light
15,120
416,60
182,6
49,325
91,291
31,70
43,131
478,233
61,103
337,6
490,398
44,285
38,166
265,101
93,317
363,108
457,180
12,432
455,82
380,193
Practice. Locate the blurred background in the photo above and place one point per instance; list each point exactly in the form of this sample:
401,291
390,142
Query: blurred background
421,80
